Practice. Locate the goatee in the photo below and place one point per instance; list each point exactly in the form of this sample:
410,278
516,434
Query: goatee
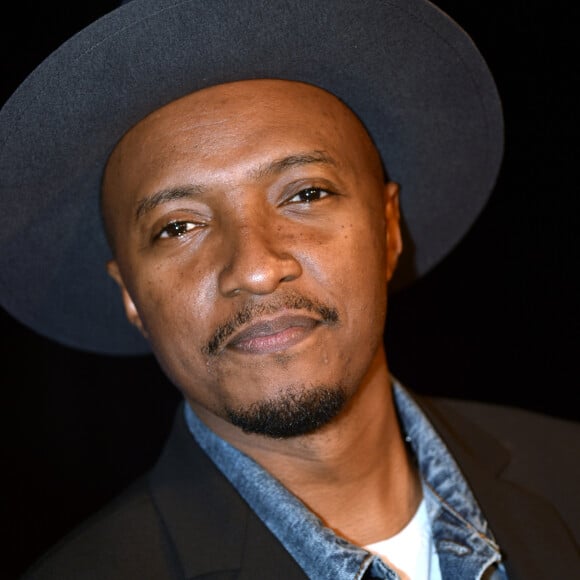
297,411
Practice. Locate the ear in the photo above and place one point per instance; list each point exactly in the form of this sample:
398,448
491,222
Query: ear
393,228
130,308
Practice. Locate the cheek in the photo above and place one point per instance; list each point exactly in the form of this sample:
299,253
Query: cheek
354,259
176,317
362,277
174,305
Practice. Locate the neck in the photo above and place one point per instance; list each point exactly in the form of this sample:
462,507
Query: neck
355,473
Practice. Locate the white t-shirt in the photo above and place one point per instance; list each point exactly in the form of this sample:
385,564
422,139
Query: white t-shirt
411,552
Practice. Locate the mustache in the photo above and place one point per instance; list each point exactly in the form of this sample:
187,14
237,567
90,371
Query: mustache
245,315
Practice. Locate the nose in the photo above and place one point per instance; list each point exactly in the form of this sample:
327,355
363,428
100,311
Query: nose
259,261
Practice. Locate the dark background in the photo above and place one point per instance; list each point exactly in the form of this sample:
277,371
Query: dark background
496,321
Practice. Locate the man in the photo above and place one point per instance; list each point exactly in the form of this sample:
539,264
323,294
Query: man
253,218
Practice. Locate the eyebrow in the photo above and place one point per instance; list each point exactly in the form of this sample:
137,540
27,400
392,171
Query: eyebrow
279,165
275,167
150,202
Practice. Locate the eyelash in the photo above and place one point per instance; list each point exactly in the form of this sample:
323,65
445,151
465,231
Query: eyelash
176,229
322,194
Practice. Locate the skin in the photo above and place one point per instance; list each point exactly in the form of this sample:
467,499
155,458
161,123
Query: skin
248,202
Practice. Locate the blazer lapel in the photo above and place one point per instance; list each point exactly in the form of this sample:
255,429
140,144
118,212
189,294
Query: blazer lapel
210,527
265,557
533,538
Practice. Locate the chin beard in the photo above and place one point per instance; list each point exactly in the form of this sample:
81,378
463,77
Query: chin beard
294,412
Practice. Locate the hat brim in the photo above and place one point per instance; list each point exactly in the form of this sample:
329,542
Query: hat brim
410,73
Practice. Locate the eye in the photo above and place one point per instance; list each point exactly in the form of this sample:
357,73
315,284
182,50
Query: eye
309,195
176,229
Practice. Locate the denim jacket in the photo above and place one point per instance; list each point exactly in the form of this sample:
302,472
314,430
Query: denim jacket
465,545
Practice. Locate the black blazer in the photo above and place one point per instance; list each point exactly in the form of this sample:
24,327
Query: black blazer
184,520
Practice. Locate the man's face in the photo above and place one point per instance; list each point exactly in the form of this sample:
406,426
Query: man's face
250,233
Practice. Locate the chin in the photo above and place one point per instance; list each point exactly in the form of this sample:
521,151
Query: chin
297,410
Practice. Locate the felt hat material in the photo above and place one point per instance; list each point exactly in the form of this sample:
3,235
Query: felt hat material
410,73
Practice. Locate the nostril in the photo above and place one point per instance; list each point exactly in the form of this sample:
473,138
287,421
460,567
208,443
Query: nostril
288,278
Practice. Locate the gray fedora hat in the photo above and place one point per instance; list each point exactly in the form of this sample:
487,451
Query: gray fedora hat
410,73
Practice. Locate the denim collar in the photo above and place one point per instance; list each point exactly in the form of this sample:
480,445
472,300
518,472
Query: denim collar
465,545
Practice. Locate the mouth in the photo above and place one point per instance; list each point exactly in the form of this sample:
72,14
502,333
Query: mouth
273,335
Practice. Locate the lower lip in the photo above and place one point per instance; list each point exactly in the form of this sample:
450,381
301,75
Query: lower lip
276,342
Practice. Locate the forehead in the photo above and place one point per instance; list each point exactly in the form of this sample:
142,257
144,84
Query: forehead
249,106
264,98
242,124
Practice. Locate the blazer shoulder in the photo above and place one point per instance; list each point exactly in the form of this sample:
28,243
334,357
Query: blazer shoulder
123,540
